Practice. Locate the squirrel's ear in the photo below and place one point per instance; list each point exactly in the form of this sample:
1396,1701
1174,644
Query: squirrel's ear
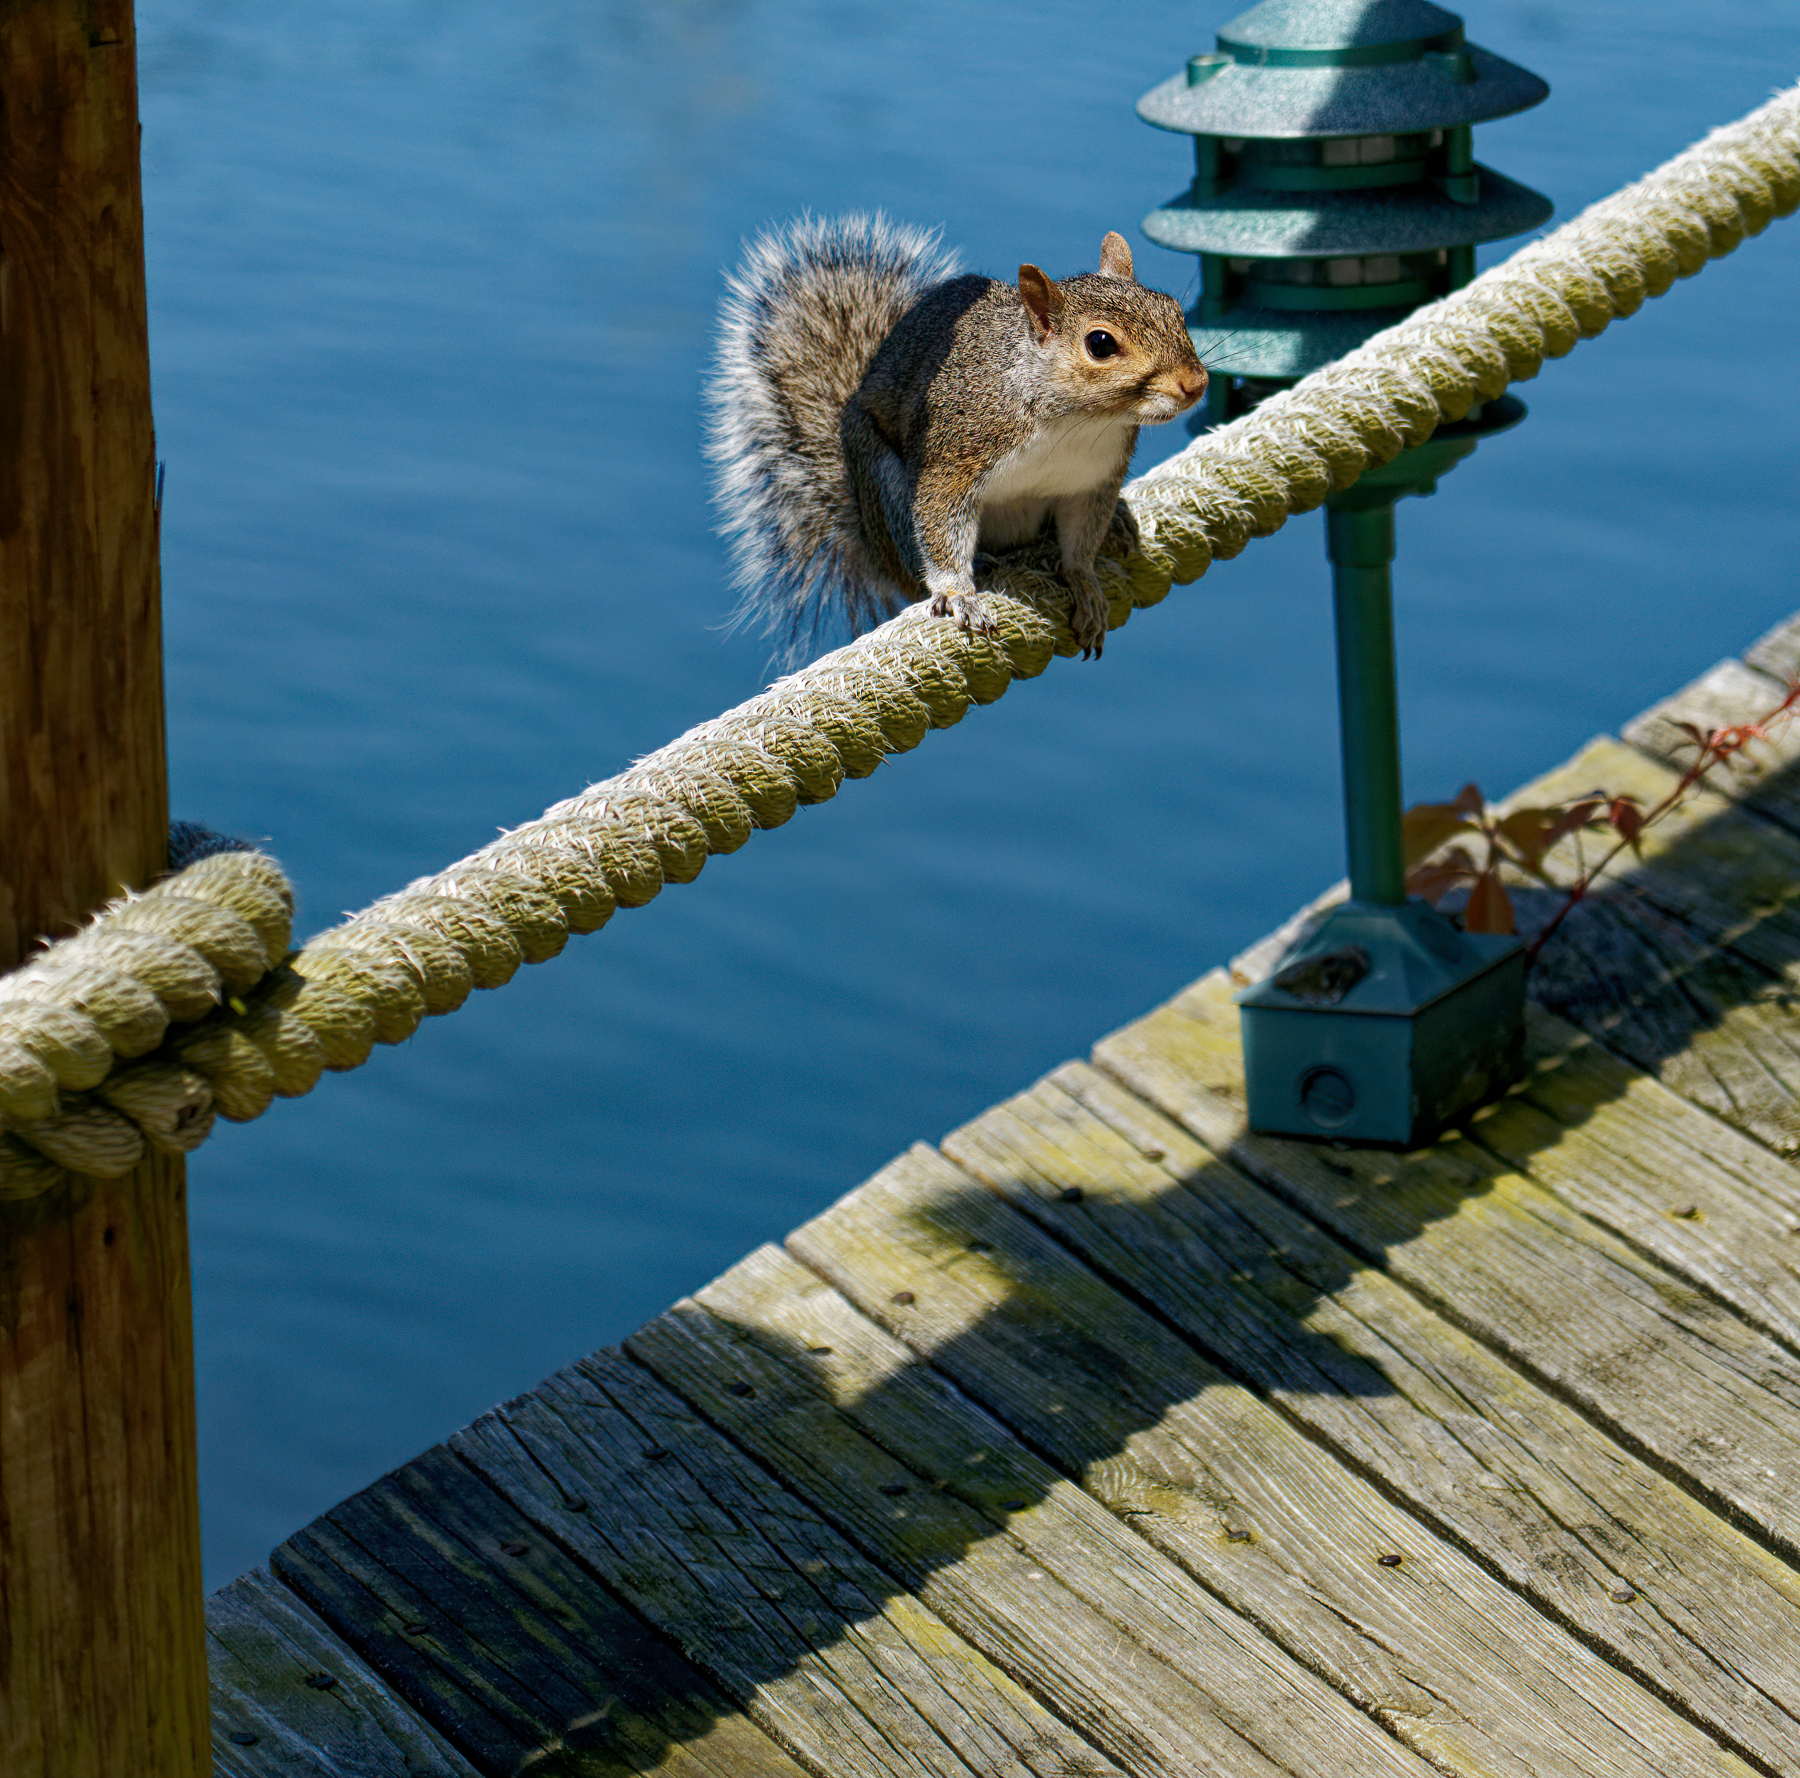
1115,257
1043,301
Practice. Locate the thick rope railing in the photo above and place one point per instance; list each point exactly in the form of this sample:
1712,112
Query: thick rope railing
182,1004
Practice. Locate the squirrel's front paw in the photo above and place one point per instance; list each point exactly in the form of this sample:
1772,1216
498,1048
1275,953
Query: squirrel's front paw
968,611
1087,617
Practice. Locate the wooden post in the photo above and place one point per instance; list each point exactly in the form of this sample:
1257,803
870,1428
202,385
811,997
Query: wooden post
102,1653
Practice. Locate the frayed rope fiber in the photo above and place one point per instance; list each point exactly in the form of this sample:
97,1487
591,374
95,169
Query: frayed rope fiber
183,1004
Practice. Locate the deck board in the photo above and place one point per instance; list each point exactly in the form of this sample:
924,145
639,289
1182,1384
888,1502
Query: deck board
1159,1434
290,1698
1652,1358
1778,653
1499,1466
1025,1565
1731,694
1617,1146
814,1641
1711,1025
1074,1445
518,1658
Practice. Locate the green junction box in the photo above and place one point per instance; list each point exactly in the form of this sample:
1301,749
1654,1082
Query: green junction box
1427,1022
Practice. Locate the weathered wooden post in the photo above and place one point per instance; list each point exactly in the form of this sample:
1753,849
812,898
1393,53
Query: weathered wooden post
102,1654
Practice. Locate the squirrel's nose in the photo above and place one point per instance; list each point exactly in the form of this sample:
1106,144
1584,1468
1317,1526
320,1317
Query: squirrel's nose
1191,383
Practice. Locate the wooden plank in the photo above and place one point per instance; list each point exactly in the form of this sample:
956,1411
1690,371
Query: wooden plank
102,1638
1731,875
1620,1148
1688,961
1764,777
1655,1361
1581,1083
1778,653
288,1697
1035,1573
1503,1468
823,1649
504,1642
1729,695
1449,1659
1710,1025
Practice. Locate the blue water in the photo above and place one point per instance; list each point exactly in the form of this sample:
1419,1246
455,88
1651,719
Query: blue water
431,292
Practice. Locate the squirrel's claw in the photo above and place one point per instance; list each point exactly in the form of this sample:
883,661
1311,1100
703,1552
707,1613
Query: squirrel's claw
1087,619
968,611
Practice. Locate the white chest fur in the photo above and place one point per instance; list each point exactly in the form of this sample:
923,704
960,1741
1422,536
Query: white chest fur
1069,457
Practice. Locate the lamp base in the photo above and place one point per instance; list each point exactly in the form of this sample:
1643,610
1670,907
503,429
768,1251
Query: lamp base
1384,1025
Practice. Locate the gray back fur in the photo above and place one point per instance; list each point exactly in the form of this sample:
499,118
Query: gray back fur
801,321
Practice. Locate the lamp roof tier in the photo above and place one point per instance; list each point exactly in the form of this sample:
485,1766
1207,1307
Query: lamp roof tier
1297,68
1255,223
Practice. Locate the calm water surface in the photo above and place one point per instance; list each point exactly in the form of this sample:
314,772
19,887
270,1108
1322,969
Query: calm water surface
431,293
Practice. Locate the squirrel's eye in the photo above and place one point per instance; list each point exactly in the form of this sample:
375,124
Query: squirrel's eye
1101,344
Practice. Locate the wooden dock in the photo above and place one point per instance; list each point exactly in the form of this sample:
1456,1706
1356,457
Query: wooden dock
1107,1438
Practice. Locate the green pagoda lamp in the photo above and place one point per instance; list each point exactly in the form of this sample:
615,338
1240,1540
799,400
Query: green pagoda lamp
1335,191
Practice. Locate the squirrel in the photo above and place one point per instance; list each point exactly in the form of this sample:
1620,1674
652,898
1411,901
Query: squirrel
878,418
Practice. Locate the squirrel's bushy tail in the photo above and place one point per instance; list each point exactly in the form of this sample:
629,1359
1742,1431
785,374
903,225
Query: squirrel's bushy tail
802,319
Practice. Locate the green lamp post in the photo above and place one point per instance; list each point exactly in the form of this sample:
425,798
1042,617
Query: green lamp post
1334,192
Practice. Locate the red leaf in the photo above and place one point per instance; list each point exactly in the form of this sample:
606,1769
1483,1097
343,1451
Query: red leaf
1470,800
1696,736
1532,832
1627,820
1529,832
1435,880
1425,826
1582,813
1490,908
